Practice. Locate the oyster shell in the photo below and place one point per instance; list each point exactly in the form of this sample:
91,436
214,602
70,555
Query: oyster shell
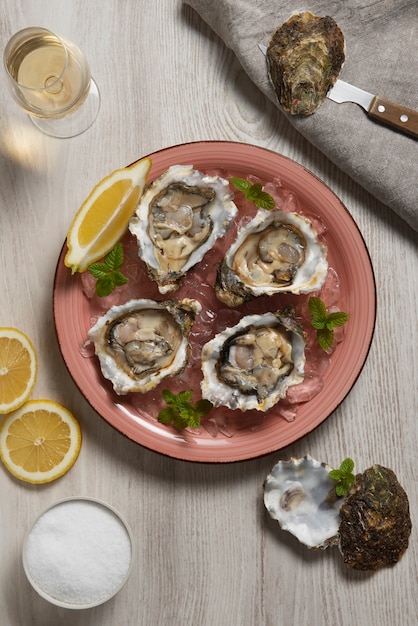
277,252
252,364
141,342
178,219
304,57
375,521
299,494
371,526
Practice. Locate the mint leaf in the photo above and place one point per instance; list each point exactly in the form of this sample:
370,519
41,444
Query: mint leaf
339,318
169,396
167,415
181,412
98,270
325,337
255,193
325,322
341,489
344,477
335,474
347,466
119,278
105,286
107,273
318,310
241,184
265,201
319,322
114,258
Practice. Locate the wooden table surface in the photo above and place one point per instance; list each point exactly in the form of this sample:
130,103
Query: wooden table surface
206,552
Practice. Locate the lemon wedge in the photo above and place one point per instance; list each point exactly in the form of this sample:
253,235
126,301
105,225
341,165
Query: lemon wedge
18,369
40,441
104,216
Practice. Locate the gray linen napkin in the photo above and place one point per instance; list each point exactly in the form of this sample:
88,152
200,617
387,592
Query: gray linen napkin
381,39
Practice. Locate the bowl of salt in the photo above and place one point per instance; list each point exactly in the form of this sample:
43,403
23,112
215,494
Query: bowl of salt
78,553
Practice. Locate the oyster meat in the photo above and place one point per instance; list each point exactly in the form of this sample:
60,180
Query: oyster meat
277,252
141,342
300,495
304,58
375,521
178,219
252,364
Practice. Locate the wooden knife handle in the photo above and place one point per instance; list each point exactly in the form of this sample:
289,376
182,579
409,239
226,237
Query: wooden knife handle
395,115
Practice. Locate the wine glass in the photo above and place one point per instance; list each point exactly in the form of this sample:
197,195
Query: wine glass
50,80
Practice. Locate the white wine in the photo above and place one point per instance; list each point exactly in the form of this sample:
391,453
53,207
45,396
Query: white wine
51,76
50,79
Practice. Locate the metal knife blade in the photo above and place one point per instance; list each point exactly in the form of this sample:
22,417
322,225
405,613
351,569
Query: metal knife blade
380,109
344,92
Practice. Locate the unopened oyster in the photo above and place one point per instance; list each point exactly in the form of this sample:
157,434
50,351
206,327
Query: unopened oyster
277,252
375,521
252,364
299,494
304,57
178,219
141,342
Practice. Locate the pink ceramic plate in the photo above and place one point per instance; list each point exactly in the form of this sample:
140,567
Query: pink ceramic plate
346,252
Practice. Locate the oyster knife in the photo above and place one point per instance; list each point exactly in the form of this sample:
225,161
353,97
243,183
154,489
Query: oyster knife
394,115
380,109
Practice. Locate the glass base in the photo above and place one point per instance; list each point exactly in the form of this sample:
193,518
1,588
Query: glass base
74,123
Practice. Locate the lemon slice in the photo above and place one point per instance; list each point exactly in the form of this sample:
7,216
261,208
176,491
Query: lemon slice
103,217
40,441
18,368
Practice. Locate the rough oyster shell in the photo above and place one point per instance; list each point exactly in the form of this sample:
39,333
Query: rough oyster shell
252,364
304,57
178,219
141,342
299,494
277,252
375,521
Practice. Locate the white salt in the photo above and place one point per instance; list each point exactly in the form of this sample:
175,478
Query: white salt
78,552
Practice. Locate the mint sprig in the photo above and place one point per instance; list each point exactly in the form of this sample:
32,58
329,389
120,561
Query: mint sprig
344,477
108,274
324,322
255,193
181,412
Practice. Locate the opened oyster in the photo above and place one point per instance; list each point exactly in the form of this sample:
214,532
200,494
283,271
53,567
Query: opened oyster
252,364
375,521
371,525
276,252
304,57
141,342
299,494
178,219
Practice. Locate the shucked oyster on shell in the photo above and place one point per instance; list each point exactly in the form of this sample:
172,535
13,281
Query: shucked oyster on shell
178,219
252,364
304,57
141,342
276,252
371,525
